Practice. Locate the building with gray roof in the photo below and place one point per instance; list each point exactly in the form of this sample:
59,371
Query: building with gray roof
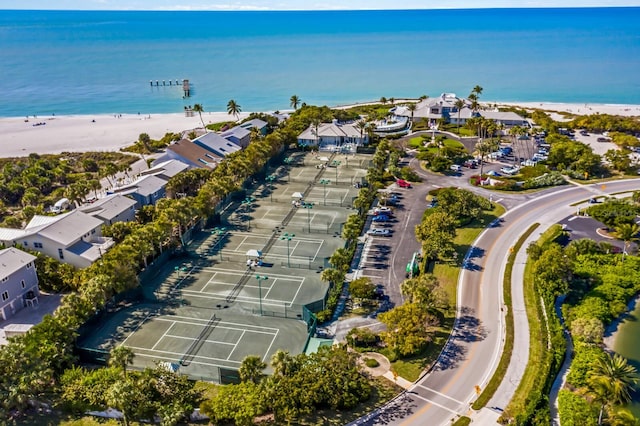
112,209
334,136
166,169
216,144
18,282
146,190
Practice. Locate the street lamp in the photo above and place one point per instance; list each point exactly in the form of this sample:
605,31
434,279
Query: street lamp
287,237
336,163
308,206
260,279
270,180
324,183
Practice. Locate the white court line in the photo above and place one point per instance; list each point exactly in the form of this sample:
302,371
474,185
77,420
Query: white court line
217,342
177,359
136,329
179,354
235,272
438,393
236,345
247,299
163,335
204,320
297,291
269,348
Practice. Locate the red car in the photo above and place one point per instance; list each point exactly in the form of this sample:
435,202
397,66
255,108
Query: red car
403,183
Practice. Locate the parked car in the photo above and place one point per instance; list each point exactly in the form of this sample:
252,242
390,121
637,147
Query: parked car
381,218
403,183
379,232
382,209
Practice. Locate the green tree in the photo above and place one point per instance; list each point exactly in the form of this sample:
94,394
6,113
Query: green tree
283,363
294,102
362,288
408,328
425,291
459,104
120,357
233,108
199,109
627,232
612,381
251,369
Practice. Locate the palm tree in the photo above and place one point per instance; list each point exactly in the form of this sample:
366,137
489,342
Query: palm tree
233,108
282,363
120,357
412,107
459,104
199,109
611,381
383,100
251,369
627,232
477,90
295,101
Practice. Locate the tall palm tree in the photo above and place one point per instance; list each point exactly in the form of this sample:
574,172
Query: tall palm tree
120,357
611,381
627,232
477,90
199,109
459,104
233,108
282,363
412,107
251,369
295,101
383,100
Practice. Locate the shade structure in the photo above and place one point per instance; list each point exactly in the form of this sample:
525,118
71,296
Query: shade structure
254,253
297,195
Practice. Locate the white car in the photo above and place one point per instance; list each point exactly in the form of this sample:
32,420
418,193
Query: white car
378,232
510,170
456,168
381,209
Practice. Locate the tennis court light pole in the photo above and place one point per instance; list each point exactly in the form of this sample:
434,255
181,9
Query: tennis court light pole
335,164
308,206
260,279
324,183
270,179
287,237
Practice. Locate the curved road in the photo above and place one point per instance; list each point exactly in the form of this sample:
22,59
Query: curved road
472,353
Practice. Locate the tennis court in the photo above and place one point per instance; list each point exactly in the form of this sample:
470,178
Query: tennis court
203,344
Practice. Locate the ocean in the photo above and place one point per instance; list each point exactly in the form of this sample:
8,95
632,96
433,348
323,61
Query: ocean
86,62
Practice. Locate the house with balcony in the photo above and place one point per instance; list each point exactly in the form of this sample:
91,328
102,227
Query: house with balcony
18,282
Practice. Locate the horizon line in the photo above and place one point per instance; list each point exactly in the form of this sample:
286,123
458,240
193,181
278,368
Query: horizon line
263,9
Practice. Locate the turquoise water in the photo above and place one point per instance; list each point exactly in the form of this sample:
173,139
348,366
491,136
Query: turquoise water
628,345
101,62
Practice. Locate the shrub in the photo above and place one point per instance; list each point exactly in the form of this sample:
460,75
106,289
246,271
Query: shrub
371,363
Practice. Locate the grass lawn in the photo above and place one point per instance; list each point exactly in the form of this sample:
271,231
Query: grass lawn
447,274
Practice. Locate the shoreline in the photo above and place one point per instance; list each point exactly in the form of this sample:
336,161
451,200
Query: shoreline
109,132
612,331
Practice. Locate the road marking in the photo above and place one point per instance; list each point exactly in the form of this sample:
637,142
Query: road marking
439,393
572,218
433,403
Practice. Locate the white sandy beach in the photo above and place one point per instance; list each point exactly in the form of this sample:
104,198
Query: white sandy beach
108,133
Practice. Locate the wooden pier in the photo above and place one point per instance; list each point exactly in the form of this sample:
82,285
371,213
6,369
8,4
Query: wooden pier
186,88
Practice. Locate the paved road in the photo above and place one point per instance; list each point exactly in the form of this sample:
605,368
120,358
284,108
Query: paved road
473,351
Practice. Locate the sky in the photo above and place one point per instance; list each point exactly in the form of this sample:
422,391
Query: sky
300,4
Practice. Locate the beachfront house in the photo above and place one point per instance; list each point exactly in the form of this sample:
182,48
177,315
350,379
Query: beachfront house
146,190
112,209
239,135
334,137
260,125
190,154
18,282
74,237
443,108
165,169
216,144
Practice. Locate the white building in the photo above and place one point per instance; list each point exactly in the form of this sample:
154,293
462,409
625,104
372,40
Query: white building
334,136
18,281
